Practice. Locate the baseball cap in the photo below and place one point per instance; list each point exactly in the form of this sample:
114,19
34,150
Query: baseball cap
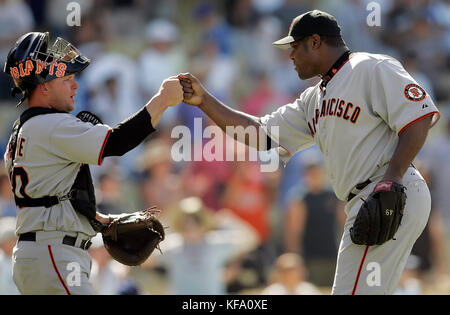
309,23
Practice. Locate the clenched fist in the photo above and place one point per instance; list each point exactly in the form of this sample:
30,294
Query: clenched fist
171,91
193,90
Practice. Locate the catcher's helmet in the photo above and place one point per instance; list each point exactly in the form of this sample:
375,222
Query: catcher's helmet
33,61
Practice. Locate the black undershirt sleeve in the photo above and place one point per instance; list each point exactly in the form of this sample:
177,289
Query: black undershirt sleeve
268,143
128,134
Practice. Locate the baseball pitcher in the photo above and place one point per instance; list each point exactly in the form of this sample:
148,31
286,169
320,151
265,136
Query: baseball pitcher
369,118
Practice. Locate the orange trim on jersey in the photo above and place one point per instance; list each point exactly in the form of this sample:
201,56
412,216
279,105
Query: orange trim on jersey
56,270
351,56
359,270
285,149
416,120
100,156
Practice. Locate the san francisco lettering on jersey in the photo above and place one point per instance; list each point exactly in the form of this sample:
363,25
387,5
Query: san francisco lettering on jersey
334,107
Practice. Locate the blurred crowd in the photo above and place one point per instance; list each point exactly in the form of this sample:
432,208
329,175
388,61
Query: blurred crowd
231,227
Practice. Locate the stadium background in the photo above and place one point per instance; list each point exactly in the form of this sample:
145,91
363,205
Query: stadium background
135,44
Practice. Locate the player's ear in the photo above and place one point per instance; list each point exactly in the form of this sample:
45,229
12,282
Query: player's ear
316,41
43,88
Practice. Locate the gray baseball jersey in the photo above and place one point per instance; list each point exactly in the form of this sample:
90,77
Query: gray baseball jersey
50,150
356,120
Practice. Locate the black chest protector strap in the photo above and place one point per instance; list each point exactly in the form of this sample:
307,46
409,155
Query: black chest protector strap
81,194
26,115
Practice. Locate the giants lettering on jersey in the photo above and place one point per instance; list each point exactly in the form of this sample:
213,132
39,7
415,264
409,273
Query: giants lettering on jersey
336,108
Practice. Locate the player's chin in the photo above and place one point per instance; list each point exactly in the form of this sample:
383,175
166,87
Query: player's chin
70,106
304,76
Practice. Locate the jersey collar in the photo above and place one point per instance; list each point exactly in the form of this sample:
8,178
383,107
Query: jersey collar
34,111
334,69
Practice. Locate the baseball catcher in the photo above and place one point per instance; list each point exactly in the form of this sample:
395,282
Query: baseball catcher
47,159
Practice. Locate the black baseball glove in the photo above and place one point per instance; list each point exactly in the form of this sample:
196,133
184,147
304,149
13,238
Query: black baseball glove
131,238
380,215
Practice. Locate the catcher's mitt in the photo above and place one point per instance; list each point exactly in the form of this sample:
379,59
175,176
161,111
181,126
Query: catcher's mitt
130,238
380,215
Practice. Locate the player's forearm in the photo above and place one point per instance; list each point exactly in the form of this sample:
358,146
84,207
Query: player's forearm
131,132
156,108
225,116
409,144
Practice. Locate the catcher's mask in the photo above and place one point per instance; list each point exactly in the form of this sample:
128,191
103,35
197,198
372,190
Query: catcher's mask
33,61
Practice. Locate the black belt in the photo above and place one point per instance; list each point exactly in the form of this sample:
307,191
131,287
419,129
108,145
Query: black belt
359,186
67,240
